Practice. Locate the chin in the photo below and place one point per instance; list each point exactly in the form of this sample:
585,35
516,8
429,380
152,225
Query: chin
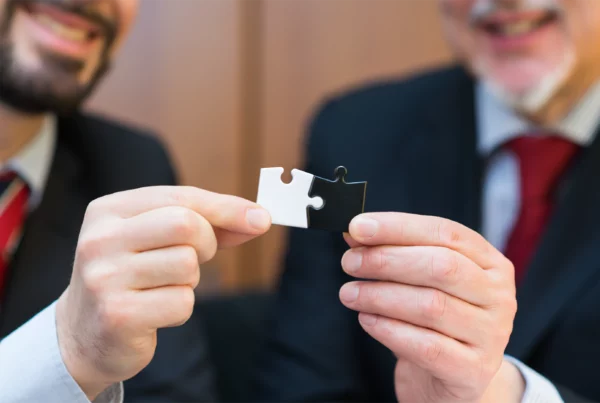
525,87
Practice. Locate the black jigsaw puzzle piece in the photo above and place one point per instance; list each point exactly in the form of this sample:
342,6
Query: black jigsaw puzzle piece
342,202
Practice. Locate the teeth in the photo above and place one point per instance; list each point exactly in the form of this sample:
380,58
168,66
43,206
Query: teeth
69,33
517,28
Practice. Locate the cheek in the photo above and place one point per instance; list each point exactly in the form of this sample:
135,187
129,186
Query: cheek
128,10
456,10
584,27
455,23
3,5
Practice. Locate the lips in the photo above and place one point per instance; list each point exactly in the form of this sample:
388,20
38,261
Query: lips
512,31
507,25
64,24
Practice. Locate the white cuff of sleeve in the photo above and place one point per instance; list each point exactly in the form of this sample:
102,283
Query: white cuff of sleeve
32,369
114,394
537,388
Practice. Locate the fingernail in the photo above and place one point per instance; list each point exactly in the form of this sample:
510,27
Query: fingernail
258,218
365,227
352,261
349,293
367,319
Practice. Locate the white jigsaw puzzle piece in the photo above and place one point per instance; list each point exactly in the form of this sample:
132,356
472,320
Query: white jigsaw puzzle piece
286,202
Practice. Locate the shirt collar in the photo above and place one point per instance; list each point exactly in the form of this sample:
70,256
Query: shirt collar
33,162
498,123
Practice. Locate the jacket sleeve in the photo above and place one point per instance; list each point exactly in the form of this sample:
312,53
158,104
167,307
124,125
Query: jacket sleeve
568,396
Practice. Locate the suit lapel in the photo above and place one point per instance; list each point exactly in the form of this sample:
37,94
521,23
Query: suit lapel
568,259
41,268
457,171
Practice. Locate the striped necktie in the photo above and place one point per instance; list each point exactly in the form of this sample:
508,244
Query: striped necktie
14,194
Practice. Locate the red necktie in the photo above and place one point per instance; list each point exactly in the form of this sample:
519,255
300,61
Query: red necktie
14,194
542,161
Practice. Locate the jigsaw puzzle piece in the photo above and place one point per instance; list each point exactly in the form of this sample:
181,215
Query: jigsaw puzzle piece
286,202
343,202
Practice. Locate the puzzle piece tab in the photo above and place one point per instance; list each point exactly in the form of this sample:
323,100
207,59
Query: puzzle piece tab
309,201
343,202
286,202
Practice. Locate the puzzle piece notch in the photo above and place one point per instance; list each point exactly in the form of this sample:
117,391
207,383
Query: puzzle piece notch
343,202
340,174
287,203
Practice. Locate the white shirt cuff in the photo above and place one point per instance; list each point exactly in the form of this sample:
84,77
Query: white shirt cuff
32,369
537,388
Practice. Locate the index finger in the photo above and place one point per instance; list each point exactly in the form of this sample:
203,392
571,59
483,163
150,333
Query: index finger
404,229
227,212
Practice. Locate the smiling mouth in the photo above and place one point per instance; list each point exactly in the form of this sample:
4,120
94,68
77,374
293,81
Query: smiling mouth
514,26
63,23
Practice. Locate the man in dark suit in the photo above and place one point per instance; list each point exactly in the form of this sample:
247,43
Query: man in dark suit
95,255
497,156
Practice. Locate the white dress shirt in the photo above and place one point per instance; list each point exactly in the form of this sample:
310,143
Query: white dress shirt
497,124
31,365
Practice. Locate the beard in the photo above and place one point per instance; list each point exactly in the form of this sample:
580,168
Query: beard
535,98
53,86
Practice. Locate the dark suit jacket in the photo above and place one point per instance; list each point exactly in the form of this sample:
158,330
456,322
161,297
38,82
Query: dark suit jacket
414,141
94,158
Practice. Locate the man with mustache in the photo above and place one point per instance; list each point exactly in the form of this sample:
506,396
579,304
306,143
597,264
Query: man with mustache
483,188
95,256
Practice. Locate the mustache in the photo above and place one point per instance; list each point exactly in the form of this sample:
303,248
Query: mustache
84,9
483,8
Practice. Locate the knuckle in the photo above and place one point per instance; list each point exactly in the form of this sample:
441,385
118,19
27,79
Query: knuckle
369,295
503,335
433,304
209,247
511,304
88,248
96,278
375,259
447,232
186,304
189,264
95,241
177,196
509,268
96,206
496,280
444,267
112,314
184,222
430,350
506,301
500,327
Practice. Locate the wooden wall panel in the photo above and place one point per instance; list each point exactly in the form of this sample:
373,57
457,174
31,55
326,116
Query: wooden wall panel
179,74
315,47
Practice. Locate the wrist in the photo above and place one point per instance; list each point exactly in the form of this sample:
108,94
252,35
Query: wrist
507,386
73,355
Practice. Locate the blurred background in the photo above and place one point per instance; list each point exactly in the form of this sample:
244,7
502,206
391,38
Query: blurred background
230,86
